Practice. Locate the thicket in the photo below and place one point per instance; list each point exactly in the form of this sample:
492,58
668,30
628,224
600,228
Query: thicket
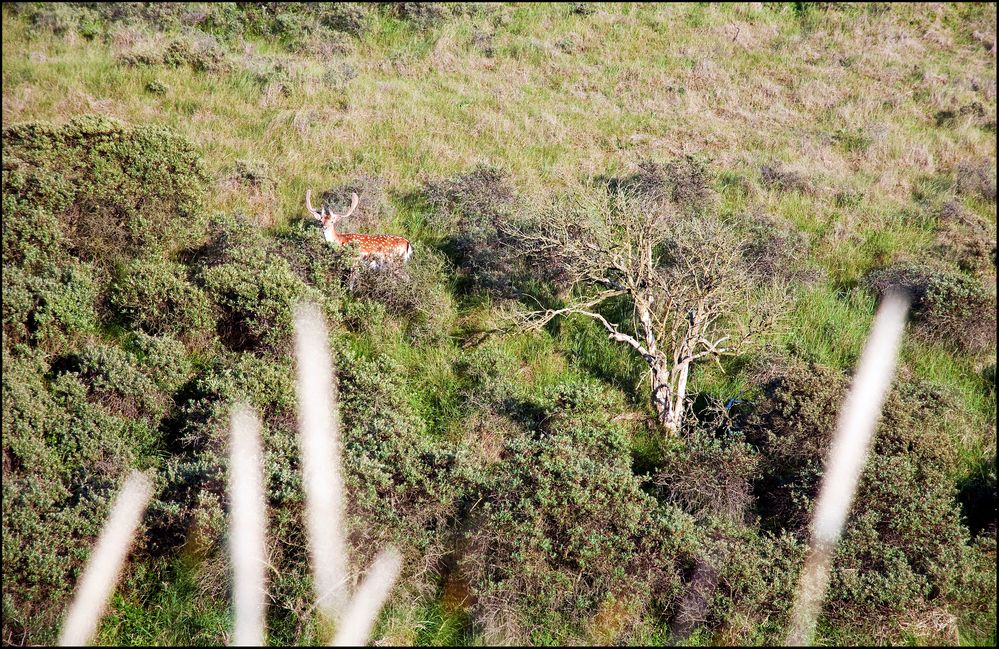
906,551
947,306
132,320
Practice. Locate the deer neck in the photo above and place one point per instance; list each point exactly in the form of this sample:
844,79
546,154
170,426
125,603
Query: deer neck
331,236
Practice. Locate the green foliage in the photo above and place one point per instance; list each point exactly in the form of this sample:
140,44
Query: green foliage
124,191
67,443
157,87
905,547
165,360
947,306
51,309
494,463
156,298
563,525
684,182
254,289
742,586
416,292
401,483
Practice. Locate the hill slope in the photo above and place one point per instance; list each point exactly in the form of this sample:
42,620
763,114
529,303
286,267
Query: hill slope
154,239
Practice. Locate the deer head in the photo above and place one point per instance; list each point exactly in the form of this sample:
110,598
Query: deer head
329,219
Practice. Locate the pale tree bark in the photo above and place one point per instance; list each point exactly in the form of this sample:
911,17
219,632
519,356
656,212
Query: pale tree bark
683,277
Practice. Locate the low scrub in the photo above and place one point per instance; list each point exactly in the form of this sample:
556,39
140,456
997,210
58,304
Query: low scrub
122,191
564,529
946,306
905,548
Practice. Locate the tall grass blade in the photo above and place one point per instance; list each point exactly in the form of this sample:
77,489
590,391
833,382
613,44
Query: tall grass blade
102,570
319,444
355,626
247,528
847,456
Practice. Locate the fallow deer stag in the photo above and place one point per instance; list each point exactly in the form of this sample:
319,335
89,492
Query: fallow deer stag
375,249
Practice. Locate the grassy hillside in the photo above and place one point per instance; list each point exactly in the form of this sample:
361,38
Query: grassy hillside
154,239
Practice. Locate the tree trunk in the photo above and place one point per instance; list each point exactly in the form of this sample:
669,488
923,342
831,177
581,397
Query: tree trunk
669,393
662,399
680,390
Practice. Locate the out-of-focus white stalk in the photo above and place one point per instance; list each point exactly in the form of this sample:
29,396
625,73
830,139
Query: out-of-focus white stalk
847,456
355,627
248,518
102,570
320,448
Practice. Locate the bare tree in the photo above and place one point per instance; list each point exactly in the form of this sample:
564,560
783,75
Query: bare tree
682,275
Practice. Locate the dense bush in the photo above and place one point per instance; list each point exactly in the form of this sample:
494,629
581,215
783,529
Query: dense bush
683,182
66,447
946,306
564,529
706,476
775,250
403,486
253,288
124,191
416,292
904,548
777,177
976,178
51,309
477,210
155,297
741,587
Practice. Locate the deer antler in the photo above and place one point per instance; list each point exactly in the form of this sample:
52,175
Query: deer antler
354,200
308,205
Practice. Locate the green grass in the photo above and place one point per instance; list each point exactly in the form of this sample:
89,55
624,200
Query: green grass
153,607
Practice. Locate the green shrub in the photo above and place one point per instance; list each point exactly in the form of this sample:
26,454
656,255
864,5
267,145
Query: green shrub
349,17
416,292
966,239
51,310
156,298
60,17
157,87
563,528
202,53
33,201
777,177
125,191
48,530
253,288
904,547
119,384
165,360
64,457
946,306
422,14
741,587
402,486
775,250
